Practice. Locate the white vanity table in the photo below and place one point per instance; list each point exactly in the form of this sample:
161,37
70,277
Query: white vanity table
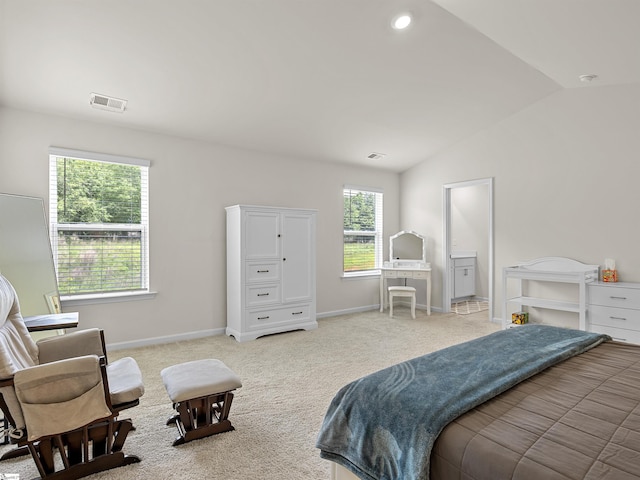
407,260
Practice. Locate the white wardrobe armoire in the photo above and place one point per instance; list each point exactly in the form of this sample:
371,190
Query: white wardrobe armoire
271,270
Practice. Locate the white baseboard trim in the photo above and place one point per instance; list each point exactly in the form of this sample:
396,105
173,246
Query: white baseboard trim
346,311
472,298
146,342
166,339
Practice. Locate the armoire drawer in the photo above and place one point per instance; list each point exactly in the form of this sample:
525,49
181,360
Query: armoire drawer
614,296
258,295
618,334
614,317
257,320
262,272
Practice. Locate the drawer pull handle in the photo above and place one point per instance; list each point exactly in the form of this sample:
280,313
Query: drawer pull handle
618,318
263,318
263,271
296,313
617,298
263,294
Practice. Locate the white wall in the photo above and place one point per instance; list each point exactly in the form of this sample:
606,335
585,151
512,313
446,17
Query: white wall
190,184
566,171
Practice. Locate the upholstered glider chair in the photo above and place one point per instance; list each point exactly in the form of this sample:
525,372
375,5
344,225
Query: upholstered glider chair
61,398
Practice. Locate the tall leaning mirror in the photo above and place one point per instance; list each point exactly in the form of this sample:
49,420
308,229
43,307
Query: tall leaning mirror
25,254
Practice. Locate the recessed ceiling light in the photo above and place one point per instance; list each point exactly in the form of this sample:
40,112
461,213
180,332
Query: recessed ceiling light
402,21
588,78
375,156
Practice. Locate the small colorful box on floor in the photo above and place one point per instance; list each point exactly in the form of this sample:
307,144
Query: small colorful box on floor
609,275
520,318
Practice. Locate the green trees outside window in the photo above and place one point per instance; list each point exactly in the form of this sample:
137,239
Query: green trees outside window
99,240
362,229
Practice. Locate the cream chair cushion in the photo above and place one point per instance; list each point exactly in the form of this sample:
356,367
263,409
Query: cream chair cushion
17,348
198,378
71,344
125,381
61,396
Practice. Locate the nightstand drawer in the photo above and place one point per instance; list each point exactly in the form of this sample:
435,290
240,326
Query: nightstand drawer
618,334
614,296
614,317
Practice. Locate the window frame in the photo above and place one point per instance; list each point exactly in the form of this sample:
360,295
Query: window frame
377,233
101,297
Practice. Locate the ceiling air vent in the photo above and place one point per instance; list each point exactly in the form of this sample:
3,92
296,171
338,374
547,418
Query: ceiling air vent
104,102
375,156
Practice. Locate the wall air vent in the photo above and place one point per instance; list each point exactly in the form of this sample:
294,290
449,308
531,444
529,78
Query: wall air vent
105,102
375,156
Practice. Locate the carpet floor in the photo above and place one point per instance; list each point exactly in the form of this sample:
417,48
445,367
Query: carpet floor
288,381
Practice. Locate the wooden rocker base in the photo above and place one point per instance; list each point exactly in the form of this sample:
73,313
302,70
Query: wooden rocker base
15,453
203,432
88,450
99,464
202,417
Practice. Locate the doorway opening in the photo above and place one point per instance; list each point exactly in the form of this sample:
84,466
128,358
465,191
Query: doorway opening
472,200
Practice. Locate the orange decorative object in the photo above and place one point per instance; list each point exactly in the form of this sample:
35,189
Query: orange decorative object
609,275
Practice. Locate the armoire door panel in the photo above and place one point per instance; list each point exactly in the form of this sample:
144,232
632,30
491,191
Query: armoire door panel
261,235
297,236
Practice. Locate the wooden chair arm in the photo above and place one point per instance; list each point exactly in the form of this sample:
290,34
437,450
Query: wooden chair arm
6,382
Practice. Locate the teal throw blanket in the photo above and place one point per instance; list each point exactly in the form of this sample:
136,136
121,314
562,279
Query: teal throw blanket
383,426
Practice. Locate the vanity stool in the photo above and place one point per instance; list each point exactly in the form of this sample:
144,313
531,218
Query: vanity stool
201,392
400,291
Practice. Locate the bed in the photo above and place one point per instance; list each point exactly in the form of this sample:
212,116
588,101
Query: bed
556,404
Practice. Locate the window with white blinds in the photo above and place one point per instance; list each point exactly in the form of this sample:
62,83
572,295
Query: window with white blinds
99,222
362,230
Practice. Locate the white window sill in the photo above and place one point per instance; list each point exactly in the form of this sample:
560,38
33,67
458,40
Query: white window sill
96,298
369,273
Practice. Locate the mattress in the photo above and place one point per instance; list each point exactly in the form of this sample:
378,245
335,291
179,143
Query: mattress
579,419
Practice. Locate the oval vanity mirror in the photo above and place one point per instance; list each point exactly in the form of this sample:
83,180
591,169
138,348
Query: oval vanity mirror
407,248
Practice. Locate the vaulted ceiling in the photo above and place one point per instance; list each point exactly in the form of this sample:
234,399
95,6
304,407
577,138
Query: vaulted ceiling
320,79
